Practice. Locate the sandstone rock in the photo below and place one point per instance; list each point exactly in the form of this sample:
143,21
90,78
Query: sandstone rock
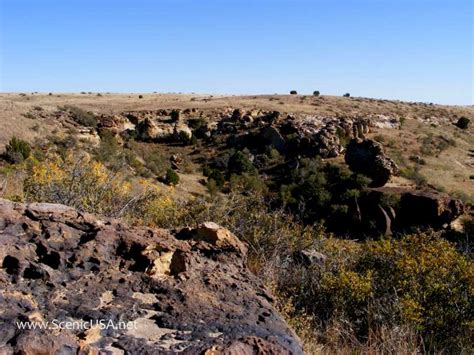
367,157
115,123
181,131
184,291
88,135
309,257
148,130
324,136
216,235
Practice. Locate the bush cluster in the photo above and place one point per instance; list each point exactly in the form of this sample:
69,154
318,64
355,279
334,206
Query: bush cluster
320,191
82,117
82,183
420,281
16,151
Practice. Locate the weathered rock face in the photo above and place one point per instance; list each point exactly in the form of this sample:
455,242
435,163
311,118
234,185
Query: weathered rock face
272,137
182,131
367,157
185,290
428,208
325,136
115,123
148,130
410,209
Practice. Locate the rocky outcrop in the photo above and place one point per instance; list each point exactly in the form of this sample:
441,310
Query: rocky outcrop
114,123
428,208
324,137
272,137
148,130
397,209
368,157
131,290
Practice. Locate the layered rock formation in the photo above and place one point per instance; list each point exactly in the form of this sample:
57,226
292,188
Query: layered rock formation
184,290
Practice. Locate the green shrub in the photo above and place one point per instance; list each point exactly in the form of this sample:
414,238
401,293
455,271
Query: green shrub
175,115
293,92
217,176
239,163
347,94
82,117
153,157
185,138
316,186
468,224
17,150
171,178
379,138
316,93
413,173
248,184
402,121
212,187
109,148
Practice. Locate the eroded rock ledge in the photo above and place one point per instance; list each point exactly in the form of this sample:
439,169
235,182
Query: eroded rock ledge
186,290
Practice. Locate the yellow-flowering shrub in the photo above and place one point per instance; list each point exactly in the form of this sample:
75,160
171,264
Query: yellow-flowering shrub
420,282
84,184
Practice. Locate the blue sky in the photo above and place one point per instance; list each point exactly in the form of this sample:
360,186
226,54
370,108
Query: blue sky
417,50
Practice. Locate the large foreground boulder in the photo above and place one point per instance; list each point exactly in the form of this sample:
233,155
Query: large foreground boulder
99,286
368,157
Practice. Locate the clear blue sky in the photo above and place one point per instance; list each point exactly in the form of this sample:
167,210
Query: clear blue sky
401,49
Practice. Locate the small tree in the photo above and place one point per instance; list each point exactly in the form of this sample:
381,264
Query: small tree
347,94
316,93
171,178
82,117
463,123
175,115
140,96
217,176
293,92
17,150
239,163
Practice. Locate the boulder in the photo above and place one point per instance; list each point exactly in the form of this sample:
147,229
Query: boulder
410,208
148,130
115,123
428,208
324,136
368,157
155,291
272,137
309,257
214,234
182,131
